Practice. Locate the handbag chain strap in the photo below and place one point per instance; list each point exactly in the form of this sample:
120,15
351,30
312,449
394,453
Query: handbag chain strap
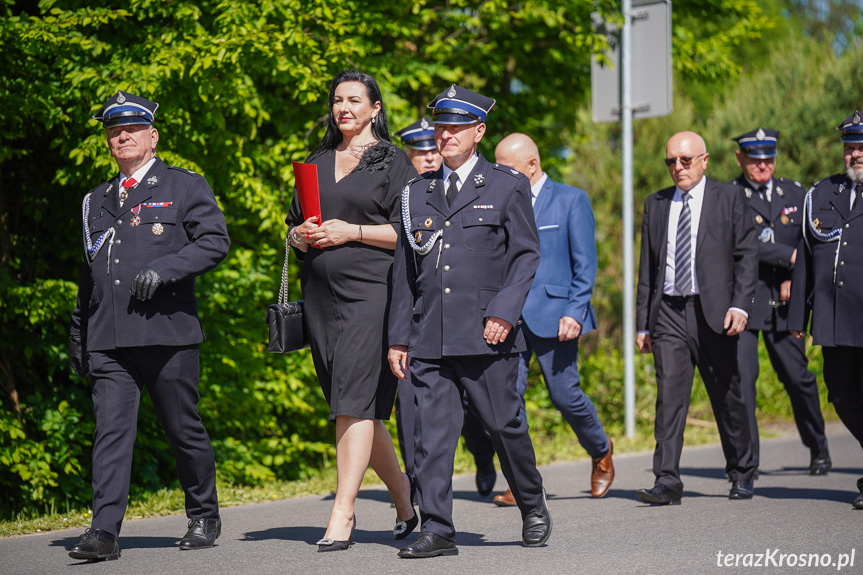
283,289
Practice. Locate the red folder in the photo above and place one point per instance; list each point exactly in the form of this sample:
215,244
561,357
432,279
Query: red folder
306,177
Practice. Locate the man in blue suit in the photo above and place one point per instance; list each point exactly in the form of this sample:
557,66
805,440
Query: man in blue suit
558,311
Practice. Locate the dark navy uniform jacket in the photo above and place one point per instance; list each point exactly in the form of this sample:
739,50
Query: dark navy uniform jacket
779,229
835,302
181,234
482,265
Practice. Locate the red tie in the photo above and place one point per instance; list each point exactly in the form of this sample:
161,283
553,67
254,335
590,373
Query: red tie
128,183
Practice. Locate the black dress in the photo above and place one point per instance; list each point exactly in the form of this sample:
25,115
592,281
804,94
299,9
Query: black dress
346,288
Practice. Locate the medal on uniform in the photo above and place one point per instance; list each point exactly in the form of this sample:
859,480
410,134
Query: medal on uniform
759,220
158,229
418,236
428,222
135,221
784,219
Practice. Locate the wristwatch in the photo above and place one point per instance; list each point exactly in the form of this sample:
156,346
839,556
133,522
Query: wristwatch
295,237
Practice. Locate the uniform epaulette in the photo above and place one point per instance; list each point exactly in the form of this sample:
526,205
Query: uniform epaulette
179,169
425,176
795,182
507,170
104,187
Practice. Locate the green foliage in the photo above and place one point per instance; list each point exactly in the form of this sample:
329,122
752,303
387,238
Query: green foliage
242,88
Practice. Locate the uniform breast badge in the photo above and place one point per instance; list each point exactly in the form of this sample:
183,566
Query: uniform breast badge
784,219
135,221
158,229
759,220
418,236
428,223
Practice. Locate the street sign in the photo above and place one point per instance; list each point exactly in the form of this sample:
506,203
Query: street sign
651,65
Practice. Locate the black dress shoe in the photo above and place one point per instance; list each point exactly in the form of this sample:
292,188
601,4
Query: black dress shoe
96,545
858,503
405,528
536,528
428,544
486,477
202,533
741,490
326,544
820,464
658,495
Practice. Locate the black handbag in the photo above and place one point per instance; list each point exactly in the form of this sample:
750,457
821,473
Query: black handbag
285,319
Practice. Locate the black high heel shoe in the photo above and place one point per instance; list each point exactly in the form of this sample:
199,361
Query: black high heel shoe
327,544
405,528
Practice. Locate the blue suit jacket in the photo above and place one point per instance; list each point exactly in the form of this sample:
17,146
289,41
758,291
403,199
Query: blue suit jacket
567,267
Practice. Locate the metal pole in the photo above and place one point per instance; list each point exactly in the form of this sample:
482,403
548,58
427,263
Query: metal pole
628,262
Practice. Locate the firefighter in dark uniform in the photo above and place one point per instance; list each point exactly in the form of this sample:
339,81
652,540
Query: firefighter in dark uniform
418,143
828,281
467,253
148,232
776,205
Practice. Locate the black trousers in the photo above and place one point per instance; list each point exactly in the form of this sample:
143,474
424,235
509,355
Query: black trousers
476,438
681,341
488,382
170,375
843,375
788,357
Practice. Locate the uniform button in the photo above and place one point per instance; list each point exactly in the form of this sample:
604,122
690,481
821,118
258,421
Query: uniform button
119,222
447,224
480,219
446,291
446,268
844,244
116,261
841,263
446,246
518,322
119,242
841,284
116,282
847,226
771,225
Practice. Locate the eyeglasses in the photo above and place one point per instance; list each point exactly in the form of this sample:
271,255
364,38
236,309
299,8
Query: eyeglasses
684,161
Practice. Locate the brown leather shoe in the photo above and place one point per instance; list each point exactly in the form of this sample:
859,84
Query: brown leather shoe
505,500
603,473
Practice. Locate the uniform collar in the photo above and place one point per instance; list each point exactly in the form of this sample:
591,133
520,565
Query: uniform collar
463,171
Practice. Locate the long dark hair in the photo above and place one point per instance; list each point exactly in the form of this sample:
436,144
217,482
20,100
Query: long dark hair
380,128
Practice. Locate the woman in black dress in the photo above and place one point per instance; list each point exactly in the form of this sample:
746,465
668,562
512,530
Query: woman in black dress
347,264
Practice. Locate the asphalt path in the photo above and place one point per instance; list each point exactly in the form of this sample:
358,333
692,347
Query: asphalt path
792,514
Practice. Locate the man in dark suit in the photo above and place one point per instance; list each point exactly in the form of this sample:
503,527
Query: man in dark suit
558,311
776,207
696,282
828,281
148,232
466,256
418,143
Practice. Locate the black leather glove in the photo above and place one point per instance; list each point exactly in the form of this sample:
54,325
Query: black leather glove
78,355
145,284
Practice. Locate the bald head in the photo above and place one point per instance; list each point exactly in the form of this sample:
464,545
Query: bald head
689,153
518,151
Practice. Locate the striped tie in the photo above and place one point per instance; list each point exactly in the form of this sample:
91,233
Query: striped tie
683,249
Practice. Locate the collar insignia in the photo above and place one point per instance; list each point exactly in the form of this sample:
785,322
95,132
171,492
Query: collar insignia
478,180
152,180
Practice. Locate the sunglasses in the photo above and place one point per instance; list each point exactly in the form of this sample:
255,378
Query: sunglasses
684,161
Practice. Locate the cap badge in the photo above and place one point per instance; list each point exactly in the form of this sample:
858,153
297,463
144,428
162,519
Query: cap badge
158,229
424,124
428,222
120,97
152,180
451,92
760,135
478,180
856,117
